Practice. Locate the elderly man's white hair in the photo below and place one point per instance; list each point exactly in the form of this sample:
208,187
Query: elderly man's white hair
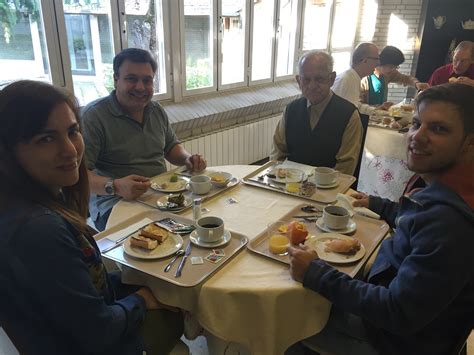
316,54
465,46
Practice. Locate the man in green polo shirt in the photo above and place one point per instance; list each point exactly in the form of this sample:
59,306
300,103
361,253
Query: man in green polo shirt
128,137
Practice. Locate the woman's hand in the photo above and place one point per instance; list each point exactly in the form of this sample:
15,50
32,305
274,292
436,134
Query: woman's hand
151,302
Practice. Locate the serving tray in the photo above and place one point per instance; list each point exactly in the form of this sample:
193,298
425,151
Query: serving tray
260,179
150,197
370,232
192,274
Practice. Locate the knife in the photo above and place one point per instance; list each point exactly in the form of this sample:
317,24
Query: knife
281,188
183,260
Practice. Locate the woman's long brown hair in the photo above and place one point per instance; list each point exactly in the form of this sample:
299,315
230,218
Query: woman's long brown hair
25,107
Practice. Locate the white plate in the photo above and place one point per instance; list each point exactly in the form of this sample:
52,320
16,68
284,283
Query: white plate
318,243
329,186
168,247
193,237
283,180
351,227
163,184
163,200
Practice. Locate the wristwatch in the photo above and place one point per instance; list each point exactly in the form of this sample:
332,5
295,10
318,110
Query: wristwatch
109,187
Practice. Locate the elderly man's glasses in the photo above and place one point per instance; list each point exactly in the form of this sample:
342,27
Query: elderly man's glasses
322,79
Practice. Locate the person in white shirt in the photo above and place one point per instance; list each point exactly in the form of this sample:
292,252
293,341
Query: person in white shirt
365,58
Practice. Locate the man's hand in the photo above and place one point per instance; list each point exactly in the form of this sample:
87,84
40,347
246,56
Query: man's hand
362,200
465,80
132,186
300,258
385,106
195,162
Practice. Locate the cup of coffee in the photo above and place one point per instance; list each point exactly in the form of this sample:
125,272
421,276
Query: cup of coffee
200,184
335,217
210,229
325,176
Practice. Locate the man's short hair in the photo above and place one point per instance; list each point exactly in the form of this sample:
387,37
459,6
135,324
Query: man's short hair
459,95
392,56
135,55
318,54
465,46
362,51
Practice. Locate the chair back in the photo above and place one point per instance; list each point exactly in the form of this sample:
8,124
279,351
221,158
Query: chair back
365,124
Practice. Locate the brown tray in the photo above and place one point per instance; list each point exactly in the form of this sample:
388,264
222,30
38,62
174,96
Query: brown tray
150,197
370,232
321,195
192,274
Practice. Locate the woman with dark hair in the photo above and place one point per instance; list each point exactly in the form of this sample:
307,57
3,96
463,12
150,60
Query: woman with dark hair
57,297
374,87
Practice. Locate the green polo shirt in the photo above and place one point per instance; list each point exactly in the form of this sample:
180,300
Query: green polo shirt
118,146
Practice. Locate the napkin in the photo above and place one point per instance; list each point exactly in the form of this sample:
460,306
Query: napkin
346,202
129,230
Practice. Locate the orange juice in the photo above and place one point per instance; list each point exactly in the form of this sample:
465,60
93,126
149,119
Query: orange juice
277,244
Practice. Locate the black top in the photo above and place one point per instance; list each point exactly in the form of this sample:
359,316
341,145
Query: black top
317,147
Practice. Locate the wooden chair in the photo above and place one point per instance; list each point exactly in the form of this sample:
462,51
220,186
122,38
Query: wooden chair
365,125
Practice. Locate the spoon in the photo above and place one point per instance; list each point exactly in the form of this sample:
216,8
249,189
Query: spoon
177,255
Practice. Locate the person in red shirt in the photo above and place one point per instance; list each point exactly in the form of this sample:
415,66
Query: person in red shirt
461,70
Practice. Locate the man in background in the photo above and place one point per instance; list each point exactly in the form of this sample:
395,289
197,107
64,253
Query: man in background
365,58
128,137
374,87
461,70
320,128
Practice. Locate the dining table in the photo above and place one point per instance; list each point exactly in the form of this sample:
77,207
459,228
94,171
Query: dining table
384,171
251,300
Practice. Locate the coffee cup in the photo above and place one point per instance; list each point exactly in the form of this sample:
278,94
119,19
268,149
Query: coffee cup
325,176
210,229
335,217
200,184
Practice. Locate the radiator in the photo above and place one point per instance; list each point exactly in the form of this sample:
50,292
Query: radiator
243,144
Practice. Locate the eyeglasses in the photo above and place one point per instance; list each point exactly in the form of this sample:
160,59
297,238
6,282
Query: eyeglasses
374,58
317,79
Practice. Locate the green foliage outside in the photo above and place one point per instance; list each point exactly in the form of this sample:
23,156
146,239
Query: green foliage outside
108,77
10,12
198,73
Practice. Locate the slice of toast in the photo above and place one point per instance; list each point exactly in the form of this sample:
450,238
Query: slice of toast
154,232
143,242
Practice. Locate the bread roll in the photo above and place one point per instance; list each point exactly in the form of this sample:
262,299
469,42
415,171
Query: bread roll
154,232
343,246
143,242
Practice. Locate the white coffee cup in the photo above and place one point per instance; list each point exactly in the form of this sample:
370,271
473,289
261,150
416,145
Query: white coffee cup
335,217
200,184
210,229
325,176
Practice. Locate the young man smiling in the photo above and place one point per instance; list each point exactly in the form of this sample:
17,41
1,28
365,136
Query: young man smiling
128,137
419,295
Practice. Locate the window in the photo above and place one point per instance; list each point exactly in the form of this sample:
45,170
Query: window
331,25
23,43
90,47
217,44
198,44
232,40
145,30
262,39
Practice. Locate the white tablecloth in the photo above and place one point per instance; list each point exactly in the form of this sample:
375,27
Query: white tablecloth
252,300
383,171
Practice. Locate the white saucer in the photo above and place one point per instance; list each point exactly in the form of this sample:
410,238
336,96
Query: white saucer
328,186
351,227
318,243
193,237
